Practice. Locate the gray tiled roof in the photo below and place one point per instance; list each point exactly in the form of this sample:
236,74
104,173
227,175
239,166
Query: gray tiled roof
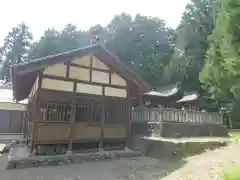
189,97
164,91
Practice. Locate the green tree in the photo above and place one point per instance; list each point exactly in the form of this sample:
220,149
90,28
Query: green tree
15,48
191,44
99,32
54,41
220,75
143,44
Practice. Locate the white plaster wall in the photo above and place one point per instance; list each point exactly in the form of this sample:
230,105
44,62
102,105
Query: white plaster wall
84,75
89,89
79,73
84,61
57,85
109,91
57,70
100,77
98,64
118,80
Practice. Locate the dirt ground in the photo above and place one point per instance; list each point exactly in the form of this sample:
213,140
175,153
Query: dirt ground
206,166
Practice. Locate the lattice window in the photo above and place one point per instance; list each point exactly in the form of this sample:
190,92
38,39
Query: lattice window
82,109
88,110
30,131
58,110
82,113
96,111
117,111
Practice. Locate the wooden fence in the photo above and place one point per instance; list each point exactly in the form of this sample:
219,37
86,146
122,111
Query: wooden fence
175,115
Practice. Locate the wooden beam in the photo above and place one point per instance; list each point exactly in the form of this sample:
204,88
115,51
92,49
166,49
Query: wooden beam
129,119
10,122
68,69
39,88
72,117
102,118
81,81
37,116
23,125
91,68
34,137
110,77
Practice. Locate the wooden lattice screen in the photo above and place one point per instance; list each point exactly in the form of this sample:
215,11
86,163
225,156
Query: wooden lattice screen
88,109
56,110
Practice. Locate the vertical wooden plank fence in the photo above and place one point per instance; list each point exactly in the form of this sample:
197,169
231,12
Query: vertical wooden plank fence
175,115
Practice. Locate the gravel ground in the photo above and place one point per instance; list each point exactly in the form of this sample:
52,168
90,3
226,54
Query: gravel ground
206,166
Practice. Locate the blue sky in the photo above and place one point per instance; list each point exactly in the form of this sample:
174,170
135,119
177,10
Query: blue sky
42,14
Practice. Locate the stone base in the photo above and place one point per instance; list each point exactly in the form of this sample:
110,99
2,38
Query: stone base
28,162
69,152
175,130
135,142
172,148
19,151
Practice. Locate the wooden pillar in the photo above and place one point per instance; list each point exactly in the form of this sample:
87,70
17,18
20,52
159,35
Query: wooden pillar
141,101
34,137
90,68
36,111
72,118
10,122
128,121
129,117
23,124
102,118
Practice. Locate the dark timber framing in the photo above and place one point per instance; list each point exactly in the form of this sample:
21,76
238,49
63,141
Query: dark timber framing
91,68
102,119
80,81
24,74
72,117
68,69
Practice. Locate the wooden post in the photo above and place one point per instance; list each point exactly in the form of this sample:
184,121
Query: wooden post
129,120
102,118
34,132
10,122
129,117
72,118
34,113
90,68
68,69
23,124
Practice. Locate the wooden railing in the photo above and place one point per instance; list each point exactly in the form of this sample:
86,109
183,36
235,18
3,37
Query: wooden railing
175,115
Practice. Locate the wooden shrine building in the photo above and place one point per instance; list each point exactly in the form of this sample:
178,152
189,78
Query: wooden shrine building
190,101
164,96
77,100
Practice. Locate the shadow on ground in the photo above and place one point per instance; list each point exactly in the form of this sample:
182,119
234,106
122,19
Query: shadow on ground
138,168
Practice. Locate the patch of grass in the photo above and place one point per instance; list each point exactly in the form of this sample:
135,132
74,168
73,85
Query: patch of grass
232,174
235,134
189,139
